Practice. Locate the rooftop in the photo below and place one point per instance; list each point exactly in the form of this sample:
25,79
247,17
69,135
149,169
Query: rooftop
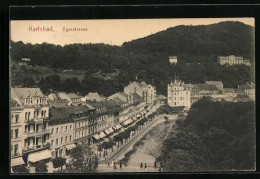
206,87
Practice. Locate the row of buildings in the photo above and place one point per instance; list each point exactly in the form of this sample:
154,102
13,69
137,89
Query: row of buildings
43,126
180,94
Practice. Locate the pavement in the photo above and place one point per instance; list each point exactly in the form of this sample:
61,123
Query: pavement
102,168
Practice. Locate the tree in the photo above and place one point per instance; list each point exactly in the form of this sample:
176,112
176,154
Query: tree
40,167
213,136
59,162
83,159
20,169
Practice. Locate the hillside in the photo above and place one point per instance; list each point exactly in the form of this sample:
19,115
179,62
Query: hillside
147,58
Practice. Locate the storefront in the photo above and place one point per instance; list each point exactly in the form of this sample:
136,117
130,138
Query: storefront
38,156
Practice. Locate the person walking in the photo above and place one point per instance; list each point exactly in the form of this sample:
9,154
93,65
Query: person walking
120,165
155,165
108,165
112,163
141,165
145,167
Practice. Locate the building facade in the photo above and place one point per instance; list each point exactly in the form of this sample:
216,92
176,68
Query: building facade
34,117
233,60
177,95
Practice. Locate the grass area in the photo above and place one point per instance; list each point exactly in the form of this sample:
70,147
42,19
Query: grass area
36,72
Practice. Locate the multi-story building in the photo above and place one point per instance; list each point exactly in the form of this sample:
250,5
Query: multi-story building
146,91
248,89
233,60
62,129
177,95
34,117
16,134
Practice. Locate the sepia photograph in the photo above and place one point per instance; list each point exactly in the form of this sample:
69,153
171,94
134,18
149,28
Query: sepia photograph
132,95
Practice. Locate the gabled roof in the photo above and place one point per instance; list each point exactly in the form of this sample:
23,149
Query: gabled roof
19,94
25,92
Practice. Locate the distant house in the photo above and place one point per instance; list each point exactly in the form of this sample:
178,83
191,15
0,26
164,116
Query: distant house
218,84
232,60
53,97
248,89
59,103
71,97
25,61
122,96
94,96
173,59
206,89
228,90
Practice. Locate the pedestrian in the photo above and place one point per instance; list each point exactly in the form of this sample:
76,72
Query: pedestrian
108,165
145,167
120,165
141,165
155,165
112,163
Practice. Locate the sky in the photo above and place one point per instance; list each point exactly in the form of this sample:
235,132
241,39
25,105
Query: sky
113,32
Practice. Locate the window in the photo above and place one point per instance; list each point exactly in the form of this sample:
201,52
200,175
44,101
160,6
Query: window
66,139
51,142
57,130
61,130
15,149
75,125
66,128
61,140
25,116
70,127
57,141
70,138
52,130
16,118
16,133
79,124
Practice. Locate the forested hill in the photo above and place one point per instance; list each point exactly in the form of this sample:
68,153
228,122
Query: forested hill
203,43
147,58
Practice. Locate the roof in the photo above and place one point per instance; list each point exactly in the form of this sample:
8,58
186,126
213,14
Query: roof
231,56
58,103
214,82
94,95
95,104
206,87
19,94
137,98
242,96
123,94
119,101
247,86
59,115
72,95
13,103
25,92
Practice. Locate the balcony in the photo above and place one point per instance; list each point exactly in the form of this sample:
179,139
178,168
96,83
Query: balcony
36,147
30,121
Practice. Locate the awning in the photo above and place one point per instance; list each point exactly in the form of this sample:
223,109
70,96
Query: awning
102,134
71,146
139,115
127,122
107,131
118,126
37,156
17,161
111,130
96,136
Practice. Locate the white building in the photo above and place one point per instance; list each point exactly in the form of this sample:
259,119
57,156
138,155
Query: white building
173,59
177,95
